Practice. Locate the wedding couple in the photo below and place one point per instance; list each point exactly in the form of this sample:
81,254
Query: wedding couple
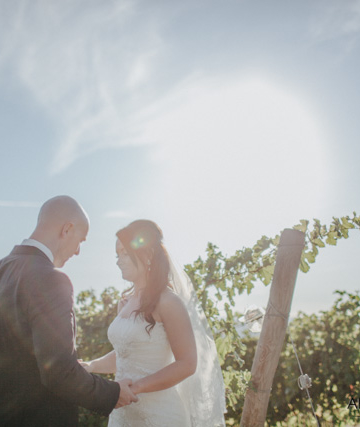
164,358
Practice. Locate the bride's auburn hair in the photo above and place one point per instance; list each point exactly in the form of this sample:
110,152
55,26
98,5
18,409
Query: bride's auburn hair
143,241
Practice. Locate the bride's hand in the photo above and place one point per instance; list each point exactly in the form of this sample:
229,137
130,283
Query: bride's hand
85,365
127,396
135,387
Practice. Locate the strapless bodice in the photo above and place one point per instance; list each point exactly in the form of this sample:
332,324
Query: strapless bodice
138,353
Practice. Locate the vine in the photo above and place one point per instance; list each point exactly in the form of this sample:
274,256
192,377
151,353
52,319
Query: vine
218,279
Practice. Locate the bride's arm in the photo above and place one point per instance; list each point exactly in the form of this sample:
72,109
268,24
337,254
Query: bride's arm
103,365
178,328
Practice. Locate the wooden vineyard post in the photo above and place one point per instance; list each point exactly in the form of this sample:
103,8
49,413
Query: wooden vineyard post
273,331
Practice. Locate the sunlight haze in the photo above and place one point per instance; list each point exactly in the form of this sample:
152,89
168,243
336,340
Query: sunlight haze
221,121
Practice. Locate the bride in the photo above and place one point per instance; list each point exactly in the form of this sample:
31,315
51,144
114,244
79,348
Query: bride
161,340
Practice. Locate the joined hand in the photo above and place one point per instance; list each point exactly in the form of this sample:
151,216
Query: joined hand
126,395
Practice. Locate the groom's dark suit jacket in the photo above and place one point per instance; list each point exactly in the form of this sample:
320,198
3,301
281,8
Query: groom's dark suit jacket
41,382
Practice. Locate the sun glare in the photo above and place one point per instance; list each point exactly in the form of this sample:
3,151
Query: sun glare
246,156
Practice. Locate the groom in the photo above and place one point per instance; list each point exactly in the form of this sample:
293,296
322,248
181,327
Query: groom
41,381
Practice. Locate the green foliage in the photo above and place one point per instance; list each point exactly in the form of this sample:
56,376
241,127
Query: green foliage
225,277
320,235
217,280
94,317
328,347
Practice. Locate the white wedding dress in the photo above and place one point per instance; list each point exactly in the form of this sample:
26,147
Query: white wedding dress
138,355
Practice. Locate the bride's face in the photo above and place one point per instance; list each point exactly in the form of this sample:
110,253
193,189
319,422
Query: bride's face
129,270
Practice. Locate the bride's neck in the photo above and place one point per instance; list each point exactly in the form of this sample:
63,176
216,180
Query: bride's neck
139,286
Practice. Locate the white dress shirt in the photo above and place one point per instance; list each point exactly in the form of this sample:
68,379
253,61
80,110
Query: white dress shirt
39,245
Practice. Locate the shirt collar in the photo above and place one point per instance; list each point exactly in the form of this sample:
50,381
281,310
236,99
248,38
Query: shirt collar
40,246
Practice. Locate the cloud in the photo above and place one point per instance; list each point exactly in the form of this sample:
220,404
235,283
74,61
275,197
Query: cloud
18,204
86,63
336,20
89,64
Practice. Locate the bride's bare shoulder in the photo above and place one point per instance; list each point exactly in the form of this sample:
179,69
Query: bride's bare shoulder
169,303
168,296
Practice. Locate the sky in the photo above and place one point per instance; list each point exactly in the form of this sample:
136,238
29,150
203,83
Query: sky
221,121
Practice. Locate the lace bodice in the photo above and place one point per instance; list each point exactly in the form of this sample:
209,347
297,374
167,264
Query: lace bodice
139,354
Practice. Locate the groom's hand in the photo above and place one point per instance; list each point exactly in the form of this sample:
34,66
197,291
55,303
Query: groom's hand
126,395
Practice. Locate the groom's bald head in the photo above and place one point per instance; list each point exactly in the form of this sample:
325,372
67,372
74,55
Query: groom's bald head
61,209
62,226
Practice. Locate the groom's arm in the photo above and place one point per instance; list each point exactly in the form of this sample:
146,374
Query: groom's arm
52,322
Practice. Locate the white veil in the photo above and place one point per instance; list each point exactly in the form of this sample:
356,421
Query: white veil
203,393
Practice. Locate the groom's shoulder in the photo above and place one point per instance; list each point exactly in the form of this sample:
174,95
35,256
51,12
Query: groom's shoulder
54,287
59,277
50,278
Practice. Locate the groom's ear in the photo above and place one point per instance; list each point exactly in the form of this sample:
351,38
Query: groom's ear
67,228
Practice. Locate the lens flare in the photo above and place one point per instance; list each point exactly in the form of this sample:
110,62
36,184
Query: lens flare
138,242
